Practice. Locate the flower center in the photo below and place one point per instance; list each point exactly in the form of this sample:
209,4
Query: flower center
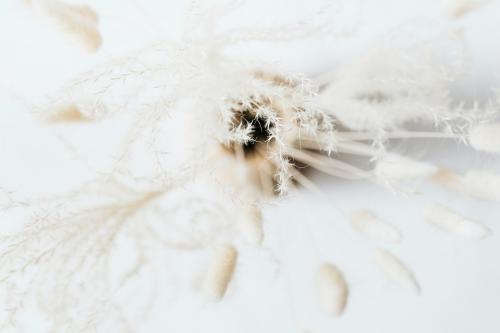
260,131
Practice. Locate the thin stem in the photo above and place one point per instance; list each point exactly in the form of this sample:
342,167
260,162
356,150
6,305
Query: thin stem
306,182
396,135
329,165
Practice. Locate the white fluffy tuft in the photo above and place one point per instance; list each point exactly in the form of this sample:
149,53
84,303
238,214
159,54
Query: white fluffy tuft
220,272
395,270
332,289
449,221
370,226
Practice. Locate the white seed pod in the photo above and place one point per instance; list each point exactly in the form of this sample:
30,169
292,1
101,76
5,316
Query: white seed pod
458,8
250,225
220,272
332,289
395,270
453,223
78,21
370,226
486,138
401,168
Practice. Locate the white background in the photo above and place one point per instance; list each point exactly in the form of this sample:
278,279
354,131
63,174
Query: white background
460,279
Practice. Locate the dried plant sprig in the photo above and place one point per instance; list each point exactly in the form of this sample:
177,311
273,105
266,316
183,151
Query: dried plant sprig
243,131
70,245
67,242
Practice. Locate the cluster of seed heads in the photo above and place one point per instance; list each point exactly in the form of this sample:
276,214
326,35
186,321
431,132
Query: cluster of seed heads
247,132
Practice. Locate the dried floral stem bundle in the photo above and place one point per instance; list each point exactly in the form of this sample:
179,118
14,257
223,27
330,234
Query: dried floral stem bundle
220,137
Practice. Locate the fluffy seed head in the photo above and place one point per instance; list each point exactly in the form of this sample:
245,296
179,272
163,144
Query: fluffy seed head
449,221
262,125
376,92
370,226
220,272
332,289
395,270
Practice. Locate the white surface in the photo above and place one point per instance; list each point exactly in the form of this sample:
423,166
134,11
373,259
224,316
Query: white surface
460,279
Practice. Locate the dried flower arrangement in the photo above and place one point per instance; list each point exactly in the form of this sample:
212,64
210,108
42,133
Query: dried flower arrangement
242,131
